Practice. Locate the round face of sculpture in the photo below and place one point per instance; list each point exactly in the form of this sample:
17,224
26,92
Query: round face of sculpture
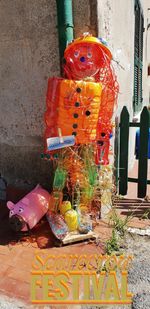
83,60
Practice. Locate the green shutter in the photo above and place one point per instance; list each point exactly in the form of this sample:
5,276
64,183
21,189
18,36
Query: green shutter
138,57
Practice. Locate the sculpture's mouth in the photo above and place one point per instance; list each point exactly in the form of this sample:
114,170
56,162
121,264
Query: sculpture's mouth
17,223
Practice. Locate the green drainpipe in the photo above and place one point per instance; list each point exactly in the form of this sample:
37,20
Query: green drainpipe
65,24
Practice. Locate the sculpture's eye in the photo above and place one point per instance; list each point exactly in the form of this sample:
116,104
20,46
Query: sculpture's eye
89,55
20,210
76,53
11,212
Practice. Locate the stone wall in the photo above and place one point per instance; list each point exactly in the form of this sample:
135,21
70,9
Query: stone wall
116,25
29,54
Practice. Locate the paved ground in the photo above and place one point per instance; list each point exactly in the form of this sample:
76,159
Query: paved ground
16,258
139,274
16,262
132,187
11,303
139,279
17,254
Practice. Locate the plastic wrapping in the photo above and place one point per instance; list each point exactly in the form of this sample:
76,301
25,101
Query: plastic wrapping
57,224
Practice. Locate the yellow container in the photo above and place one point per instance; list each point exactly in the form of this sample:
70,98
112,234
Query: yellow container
71,219
64,206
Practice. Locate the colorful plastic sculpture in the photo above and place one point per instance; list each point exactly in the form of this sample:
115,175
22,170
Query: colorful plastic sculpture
29,210
81,106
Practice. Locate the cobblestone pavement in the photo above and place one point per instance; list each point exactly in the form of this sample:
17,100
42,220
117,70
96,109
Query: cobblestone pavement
139,273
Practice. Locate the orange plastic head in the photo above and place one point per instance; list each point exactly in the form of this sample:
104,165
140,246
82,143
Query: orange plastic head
84,57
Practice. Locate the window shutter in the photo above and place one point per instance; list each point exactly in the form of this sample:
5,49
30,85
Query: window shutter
138,57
